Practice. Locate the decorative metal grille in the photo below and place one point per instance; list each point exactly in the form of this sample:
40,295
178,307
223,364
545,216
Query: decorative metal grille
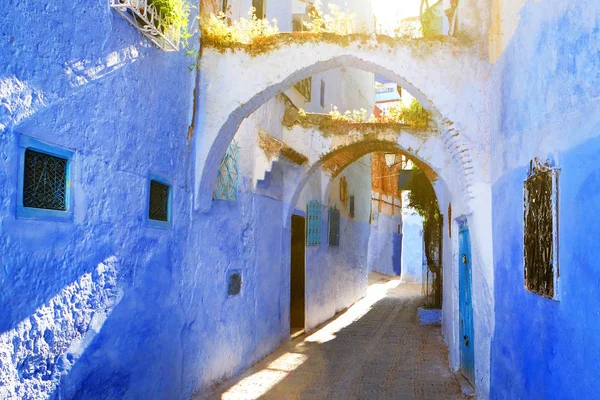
313,231
334,226
45,181
352,206
541,230
148,20
159,201
305,88
234,283
227,178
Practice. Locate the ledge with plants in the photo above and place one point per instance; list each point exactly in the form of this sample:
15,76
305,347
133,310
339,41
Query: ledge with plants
259,36
413,117
164,22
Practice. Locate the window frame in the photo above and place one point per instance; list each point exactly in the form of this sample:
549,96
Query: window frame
334,229
154,223
28,143
554,201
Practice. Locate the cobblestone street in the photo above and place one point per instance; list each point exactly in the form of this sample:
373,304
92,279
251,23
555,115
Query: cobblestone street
374,350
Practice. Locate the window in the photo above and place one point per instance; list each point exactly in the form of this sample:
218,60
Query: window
541,230
44,181
234,283
259,5
227,176
159,202
322,93
334,227
352,206
224,6
313,220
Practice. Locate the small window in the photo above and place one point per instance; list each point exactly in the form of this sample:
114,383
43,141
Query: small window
313,221
322,93
159,202
234,283
541,230
44,181
334,227
352,206
226,187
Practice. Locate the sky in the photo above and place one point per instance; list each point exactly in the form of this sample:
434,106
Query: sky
389,12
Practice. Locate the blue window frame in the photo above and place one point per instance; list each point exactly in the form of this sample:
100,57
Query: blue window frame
227,184
334,226
44,186
160,195
313,222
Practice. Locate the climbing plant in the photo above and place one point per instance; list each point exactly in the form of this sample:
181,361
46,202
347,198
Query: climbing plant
175,14
421,196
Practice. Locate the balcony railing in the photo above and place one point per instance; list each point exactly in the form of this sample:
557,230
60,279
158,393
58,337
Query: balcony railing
148,20
305,88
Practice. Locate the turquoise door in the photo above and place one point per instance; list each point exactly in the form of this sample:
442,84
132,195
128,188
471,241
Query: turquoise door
467,352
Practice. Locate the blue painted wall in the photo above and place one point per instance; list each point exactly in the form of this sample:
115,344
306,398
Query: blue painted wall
385,244
412,248
550,85
95,300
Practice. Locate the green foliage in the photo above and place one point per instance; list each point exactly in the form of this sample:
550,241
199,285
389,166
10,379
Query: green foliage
174,14
414,115
337,21
253,31
430,21
422,196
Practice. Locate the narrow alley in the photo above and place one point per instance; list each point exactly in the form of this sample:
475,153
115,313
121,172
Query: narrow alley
376,349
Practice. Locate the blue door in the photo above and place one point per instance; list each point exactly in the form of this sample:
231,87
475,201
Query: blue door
467,352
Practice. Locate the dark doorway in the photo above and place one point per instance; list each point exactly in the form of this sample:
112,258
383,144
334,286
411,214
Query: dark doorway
297,275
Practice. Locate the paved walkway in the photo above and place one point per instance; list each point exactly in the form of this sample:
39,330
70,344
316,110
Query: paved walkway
375,350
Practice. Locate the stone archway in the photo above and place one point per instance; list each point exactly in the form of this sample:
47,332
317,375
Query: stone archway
432,72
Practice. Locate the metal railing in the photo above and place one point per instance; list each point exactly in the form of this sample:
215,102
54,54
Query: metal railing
148,20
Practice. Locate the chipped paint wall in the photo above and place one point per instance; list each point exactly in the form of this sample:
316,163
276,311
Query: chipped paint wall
548,91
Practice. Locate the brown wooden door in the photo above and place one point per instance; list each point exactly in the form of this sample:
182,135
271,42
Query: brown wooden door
297,274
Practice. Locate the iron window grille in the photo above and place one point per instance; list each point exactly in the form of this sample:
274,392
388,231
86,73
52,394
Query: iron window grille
159,201
234,283
352,206
541,268
227,177
304,87
313,221
334,227
144,16
322,93
45,181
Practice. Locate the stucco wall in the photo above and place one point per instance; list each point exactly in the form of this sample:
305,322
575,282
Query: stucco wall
548,89
94,300
385,243
412,247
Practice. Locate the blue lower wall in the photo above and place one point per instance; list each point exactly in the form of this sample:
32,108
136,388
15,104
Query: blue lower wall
550,75
385,245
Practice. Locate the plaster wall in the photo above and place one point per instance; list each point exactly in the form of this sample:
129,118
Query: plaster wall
550,109
412,247
385,243
336,277
92,303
